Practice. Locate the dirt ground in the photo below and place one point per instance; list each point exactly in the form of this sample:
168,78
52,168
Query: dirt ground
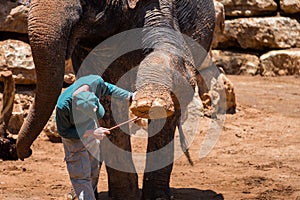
256,157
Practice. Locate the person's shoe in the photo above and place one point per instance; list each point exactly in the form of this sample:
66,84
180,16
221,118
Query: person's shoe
71,194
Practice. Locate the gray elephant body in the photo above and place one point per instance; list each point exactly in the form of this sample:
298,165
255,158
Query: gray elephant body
61,29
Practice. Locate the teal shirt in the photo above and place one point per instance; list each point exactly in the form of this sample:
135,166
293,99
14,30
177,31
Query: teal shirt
65,114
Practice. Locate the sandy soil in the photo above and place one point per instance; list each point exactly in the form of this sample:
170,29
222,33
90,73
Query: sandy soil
256,157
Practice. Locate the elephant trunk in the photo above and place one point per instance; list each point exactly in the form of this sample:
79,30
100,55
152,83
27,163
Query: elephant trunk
167,71
47,33
153,97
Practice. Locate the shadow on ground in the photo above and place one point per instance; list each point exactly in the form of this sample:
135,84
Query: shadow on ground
183,194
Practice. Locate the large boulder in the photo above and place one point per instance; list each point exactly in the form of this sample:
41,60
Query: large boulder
16,56
290,6
281,62
236,8
13,16
236,63
261,33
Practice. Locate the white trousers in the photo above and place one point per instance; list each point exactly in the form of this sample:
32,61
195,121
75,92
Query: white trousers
82,159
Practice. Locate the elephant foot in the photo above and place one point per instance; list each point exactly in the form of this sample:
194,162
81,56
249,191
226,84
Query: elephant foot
122,185
156,185
153,102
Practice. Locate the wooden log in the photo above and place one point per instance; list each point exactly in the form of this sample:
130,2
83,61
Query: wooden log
7,102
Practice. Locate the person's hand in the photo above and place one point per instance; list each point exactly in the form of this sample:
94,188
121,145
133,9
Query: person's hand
98,133
133,95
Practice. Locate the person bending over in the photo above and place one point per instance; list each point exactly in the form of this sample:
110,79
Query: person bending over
77,113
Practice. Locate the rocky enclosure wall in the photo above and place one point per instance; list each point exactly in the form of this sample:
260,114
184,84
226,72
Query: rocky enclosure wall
259,37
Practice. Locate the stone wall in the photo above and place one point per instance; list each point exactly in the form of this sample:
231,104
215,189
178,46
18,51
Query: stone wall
259,37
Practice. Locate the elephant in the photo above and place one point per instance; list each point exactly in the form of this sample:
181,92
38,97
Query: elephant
59,30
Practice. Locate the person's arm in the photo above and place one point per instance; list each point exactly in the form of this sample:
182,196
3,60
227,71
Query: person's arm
115,91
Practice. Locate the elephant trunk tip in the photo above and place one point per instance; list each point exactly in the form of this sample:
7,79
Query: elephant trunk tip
152,103
158,111
22,153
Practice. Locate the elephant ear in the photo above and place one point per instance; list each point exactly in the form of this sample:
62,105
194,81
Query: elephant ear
132,3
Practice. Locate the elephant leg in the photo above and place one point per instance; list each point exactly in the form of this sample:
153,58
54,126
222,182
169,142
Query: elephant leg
122,177
116,153
160,157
